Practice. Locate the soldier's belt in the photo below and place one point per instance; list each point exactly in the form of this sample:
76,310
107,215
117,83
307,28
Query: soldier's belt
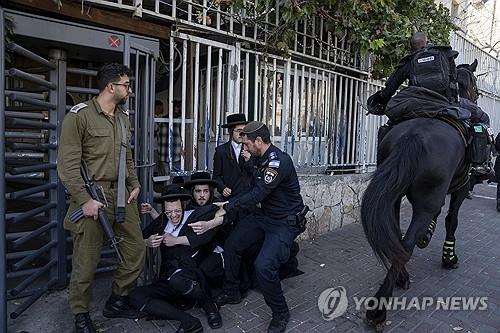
107,185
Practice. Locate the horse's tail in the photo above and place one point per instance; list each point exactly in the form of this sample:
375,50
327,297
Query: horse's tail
390,182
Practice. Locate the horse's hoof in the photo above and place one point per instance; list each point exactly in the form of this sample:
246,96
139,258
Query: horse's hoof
377,326
405,285
424,241
376,318
422,244
450,265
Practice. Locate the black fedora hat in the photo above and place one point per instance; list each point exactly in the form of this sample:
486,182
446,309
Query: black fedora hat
200,178
173,192
235,119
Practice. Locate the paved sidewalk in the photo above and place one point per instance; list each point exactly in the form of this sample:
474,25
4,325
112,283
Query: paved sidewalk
343,258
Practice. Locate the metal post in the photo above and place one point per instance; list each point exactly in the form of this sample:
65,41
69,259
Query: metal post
171,105
218,100
151,124
183,99
57,195
3,229
196,103
208,106
286,105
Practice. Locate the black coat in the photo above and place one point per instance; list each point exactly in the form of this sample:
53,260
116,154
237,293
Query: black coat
183,256
231,171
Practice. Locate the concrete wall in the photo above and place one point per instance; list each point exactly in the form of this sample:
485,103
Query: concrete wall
334,201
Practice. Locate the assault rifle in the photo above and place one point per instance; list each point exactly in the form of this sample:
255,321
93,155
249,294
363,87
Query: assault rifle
94,191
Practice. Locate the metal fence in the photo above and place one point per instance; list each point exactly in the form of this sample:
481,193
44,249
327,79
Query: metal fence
315,114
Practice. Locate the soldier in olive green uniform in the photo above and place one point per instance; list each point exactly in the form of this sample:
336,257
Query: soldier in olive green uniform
91,132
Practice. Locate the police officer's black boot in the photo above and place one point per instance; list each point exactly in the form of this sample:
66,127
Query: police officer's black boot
83,323
279,322
119,307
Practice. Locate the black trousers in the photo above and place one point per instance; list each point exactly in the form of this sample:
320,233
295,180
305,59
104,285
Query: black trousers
277,238
158,298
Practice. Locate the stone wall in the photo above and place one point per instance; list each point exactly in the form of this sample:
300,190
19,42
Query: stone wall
334,201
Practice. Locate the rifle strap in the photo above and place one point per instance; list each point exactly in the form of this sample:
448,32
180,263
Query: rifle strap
120,209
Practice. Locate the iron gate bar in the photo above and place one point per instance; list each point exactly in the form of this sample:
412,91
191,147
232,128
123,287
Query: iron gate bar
32,146
25,93
19,255
81,71
30,55
25,272
21,216
29,235
81,90
28,115
32,101
36,253
37,273
23,108
23,155
26,304
28,191
32,168
23,294
24,176
29,181
19,74
11,122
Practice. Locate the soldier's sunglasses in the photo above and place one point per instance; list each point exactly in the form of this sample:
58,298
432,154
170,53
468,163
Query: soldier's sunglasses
126,85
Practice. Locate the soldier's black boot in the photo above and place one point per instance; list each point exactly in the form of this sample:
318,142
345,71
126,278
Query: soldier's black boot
279,322
83,323
119,307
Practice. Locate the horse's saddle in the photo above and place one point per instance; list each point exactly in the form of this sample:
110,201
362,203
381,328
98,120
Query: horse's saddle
416,102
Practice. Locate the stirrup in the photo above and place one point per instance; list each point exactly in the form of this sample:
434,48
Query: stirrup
481,170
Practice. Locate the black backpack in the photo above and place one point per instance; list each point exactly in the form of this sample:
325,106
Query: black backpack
430,68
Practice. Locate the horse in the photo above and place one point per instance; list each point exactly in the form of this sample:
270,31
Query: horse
423,159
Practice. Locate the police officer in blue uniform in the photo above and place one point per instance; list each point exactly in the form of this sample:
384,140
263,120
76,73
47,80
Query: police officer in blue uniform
276,188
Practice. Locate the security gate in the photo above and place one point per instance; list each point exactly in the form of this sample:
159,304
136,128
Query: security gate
52,69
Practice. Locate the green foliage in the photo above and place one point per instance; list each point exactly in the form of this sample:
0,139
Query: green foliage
379,27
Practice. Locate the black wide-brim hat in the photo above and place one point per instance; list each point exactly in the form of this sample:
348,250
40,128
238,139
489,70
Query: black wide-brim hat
173,192
200,178
235,119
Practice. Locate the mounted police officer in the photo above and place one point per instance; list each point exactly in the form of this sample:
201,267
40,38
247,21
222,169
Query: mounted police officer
433,68
428,66
276,188
97,132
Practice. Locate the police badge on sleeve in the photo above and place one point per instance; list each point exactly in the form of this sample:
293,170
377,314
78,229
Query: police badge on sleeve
269,175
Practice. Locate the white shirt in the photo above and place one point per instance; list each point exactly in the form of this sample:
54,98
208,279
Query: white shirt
174,230
236,148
